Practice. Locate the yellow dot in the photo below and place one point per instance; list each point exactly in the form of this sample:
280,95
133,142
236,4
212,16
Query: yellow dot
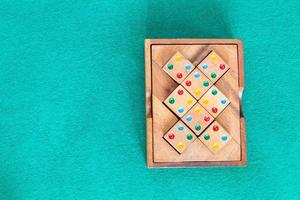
197,91
197,109
205,101
180,145
178,57
213,57
189,101
215,146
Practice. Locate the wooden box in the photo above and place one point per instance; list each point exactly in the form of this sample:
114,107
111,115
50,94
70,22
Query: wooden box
226,146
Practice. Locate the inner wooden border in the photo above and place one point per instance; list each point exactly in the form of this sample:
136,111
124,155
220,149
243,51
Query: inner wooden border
149,119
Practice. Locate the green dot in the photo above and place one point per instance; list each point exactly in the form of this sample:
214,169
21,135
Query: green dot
206,136
189,136
197,127
170,66
214,91
213,75
171,100
205,83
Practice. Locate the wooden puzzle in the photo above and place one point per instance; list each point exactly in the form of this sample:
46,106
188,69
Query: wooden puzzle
193,103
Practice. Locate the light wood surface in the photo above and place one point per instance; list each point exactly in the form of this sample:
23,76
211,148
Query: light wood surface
159,85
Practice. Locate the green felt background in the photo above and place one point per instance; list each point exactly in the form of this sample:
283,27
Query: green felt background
72,120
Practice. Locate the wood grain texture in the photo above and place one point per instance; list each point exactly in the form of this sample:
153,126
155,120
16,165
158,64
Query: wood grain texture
160,119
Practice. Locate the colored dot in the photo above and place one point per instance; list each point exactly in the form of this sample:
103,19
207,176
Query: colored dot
189,136
180,127
205,101
197,91
189,101
180,110
188,67
206,83
197,127
170,66
205,66
214,110
224,138
178,57
222,66
215,127
213,57
188,83
213,75
171,100
171,136
180,145
214,92
189,118
180,92
215,146
206,136
179,75
197,75
197,109
223,101
206,118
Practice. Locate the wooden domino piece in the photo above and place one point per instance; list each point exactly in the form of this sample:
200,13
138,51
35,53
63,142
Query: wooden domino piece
197,83
197,119
180,101
214,101
215,137
179,137
213,66
178,67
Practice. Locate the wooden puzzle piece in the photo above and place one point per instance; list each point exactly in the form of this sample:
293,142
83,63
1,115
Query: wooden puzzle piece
213,66
215,137
178,67
214,101
197,119
197,83
180,101
180,136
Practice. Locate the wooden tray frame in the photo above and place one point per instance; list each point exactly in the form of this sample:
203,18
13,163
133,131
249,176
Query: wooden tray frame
149,119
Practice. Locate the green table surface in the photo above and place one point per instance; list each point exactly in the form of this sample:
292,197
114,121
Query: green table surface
72,77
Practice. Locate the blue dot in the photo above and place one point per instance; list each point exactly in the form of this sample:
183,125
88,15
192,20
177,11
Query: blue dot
189,118
224,138
188,67
180,110
197,75
223,101
180,128
205,66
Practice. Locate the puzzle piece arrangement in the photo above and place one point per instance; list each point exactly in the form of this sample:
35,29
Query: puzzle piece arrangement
197,102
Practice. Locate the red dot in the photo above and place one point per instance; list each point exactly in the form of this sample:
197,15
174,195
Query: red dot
180,92
215,127
179,75
206,118
171,136
214,110
188,83
222,66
